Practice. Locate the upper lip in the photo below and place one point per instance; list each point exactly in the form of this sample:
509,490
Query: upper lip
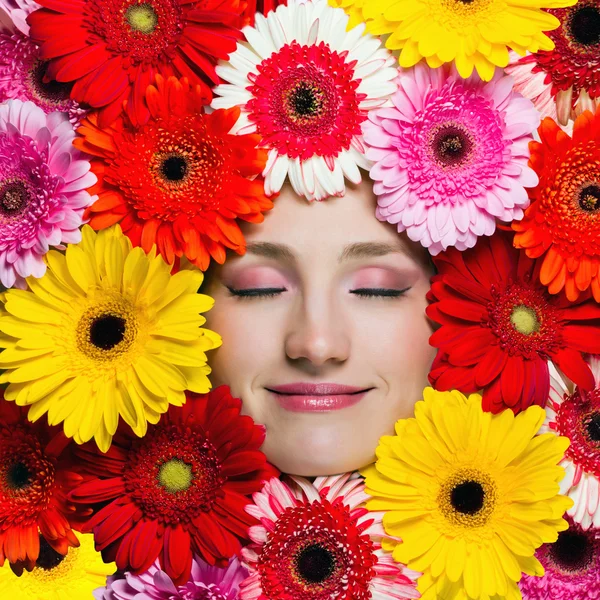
316,389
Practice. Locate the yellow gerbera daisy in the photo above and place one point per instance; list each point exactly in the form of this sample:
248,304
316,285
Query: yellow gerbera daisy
471,494
72,577
353,8
473,33
106,332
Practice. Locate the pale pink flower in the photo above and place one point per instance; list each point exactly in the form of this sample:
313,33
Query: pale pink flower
22,71
16,12
316,540
43,182
451,156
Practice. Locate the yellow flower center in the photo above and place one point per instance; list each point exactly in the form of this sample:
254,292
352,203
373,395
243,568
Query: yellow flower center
107,330
142,18
51,567
175,476
525,320
467,498
457,14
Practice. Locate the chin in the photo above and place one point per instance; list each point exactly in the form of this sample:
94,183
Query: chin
308,461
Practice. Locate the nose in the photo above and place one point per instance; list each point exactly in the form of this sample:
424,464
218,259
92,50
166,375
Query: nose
318,332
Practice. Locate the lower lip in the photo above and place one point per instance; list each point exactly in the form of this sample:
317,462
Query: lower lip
302,403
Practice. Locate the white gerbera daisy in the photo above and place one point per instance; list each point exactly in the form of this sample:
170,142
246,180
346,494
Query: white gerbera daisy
306,85
577,416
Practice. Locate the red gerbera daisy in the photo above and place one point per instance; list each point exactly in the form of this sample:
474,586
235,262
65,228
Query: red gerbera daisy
179,181
34,483
112,49
500,327
179,490
572,69
563,220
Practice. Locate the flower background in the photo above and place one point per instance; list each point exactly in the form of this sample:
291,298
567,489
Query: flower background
136,136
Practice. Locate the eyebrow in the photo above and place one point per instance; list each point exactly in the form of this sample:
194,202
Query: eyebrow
357,250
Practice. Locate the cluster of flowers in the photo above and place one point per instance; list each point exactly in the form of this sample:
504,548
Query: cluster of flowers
135,134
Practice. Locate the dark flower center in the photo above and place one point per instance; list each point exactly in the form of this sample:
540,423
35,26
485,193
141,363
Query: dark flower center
315,564
572,551
467,497
53,91
306,99
174,168
451,146
592,425
48,557
142,18
585,26
18,476
107,331
14,196
589,198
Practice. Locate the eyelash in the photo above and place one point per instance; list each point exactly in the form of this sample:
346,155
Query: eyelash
383,293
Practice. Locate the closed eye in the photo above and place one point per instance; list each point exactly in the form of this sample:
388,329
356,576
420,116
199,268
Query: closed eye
361,292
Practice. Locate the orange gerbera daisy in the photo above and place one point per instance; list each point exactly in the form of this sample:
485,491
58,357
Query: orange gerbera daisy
179,181
562,224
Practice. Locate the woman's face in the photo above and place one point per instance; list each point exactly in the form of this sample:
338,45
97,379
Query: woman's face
326,295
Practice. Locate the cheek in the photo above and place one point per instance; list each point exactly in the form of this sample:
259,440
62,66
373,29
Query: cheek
251,339
398,346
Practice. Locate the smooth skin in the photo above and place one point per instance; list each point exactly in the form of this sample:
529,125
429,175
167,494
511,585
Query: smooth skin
324,293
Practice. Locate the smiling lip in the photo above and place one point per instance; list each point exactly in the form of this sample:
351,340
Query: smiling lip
317,397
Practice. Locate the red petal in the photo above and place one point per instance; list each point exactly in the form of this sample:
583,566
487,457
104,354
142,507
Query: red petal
512,380
143,536
571,363
490,366
177,553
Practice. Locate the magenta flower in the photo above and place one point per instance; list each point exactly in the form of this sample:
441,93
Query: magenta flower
451,156
22,71
205,583
572,567
43,182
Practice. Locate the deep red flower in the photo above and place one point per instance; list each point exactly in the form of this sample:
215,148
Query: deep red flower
179,181
34,482
500,327
113,49
178,491
562,223
572,67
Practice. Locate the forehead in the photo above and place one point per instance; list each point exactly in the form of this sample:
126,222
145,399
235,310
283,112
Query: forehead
300,224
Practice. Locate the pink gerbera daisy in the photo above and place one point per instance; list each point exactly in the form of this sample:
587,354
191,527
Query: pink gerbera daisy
22,77
577,416
316,541
451,156
205,583
571,565
43,181
306,84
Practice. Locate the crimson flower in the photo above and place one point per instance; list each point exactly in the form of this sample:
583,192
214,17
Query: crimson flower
500,327
178,491
35,480
113,49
